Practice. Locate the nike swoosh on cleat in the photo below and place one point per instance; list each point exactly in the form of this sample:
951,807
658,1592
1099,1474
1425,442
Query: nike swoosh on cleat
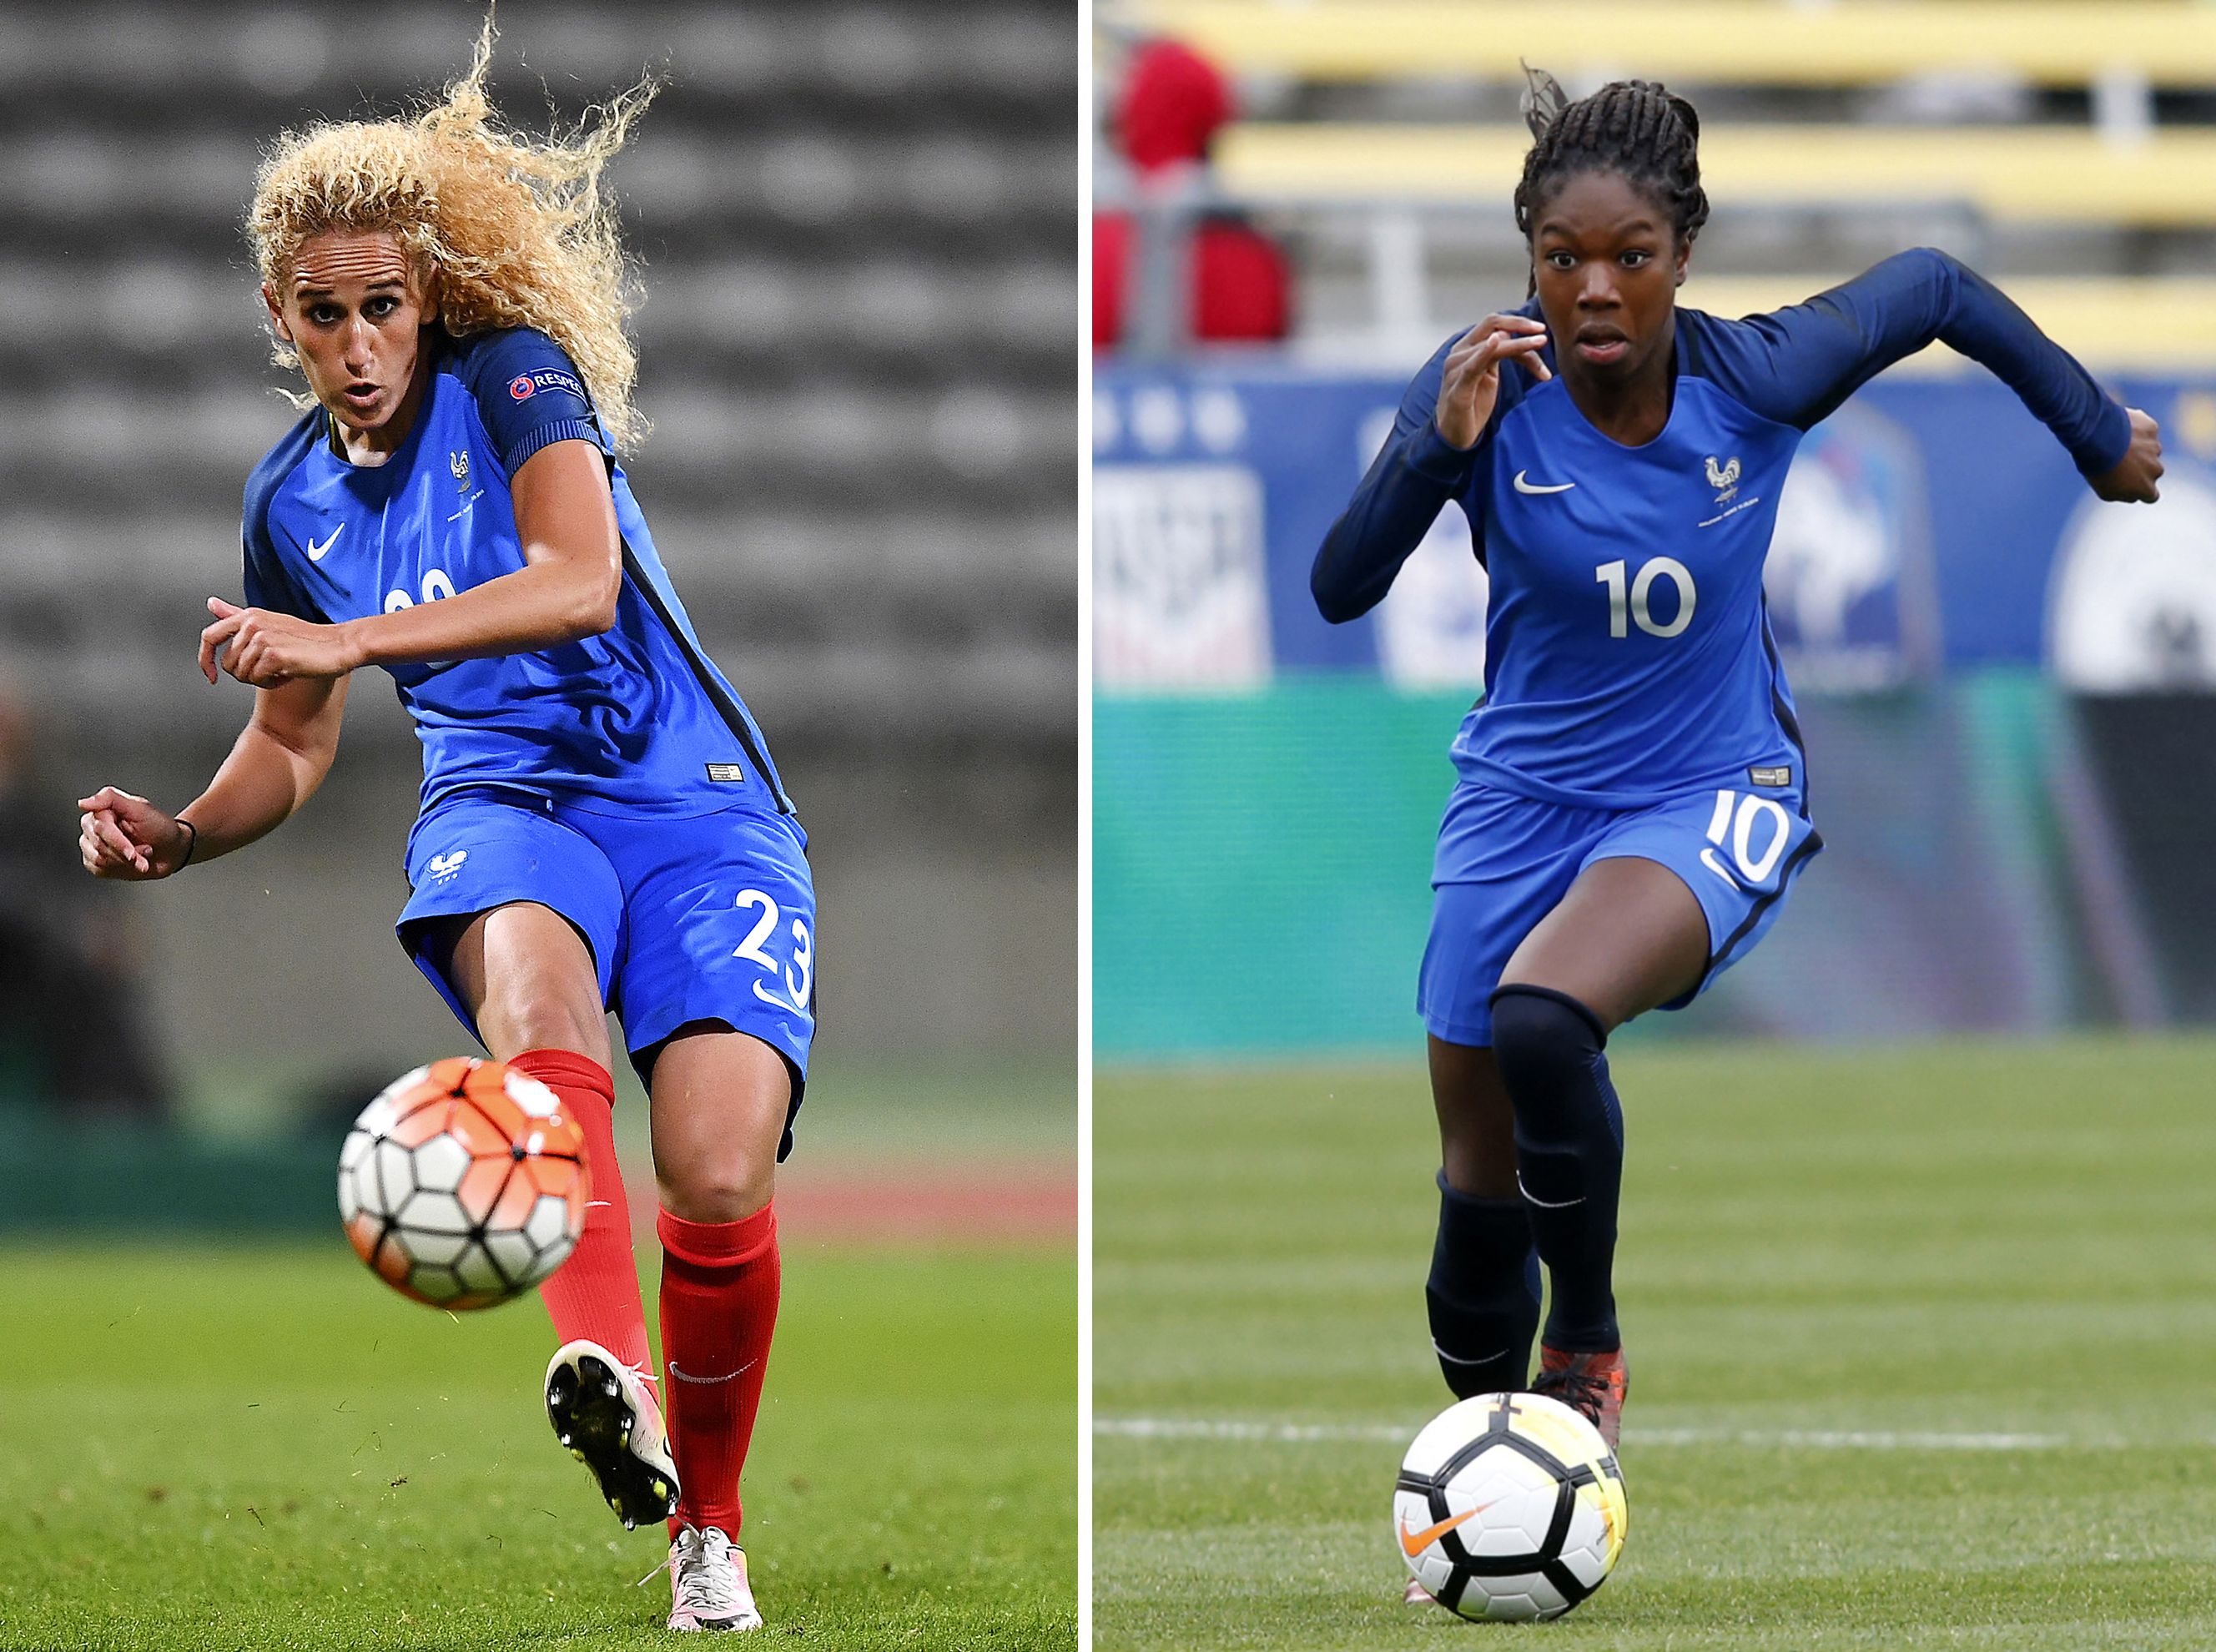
315,552
1523,486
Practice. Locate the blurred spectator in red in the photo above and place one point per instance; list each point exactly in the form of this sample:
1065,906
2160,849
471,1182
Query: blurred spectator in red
74,1032
1172,104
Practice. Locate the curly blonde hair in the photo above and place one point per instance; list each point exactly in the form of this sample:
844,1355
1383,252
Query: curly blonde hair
515,227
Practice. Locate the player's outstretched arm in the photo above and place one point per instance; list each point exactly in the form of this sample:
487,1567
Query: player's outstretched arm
280,758
1797,365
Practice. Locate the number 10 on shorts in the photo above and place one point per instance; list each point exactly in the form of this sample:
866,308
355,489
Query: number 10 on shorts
1739,822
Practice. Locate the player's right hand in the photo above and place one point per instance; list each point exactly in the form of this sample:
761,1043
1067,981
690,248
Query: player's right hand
122,836
2131,480
1471,382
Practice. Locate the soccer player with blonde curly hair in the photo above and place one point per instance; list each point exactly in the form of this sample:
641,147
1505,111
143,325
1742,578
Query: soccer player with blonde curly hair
600,827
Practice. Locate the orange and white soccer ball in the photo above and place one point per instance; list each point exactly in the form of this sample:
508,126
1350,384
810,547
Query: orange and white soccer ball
1509,1506
464,1183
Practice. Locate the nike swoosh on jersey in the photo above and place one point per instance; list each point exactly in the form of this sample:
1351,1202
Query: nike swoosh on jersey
315,552
1522,486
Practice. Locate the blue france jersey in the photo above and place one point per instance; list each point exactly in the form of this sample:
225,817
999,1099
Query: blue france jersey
1628,657
637,718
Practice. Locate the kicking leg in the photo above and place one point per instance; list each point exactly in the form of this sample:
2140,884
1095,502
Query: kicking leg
720,1100
1483,1293
1627,936
528,978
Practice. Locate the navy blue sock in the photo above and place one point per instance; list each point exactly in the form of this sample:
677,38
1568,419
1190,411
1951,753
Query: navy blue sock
1483,1294
1569,1153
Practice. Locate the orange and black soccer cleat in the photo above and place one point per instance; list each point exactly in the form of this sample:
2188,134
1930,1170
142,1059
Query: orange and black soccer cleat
1592,1384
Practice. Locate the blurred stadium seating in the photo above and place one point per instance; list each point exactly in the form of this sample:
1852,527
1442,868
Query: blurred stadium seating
856,332
858,277
2071,142
1993,669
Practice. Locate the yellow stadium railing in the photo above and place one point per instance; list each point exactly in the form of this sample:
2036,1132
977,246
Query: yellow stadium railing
2122,325
2053,42
2060,174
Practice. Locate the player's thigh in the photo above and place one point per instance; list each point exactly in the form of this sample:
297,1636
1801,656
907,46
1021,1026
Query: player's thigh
1502,864
528,976
1737,853
1627,936
1477,1125
517,921
720,931
720,1102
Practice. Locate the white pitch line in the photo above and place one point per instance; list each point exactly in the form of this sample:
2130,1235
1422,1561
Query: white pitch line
1881,1439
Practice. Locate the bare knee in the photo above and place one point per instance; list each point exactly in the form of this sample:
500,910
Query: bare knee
717,1188
537,1015
719,1101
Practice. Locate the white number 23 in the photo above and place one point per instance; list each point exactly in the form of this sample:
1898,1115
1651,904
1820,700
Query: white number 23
797,978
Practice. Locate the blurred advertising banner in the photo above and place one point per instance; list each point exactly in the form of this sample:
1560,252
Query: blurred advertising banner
1178,590
1930,523
2003,683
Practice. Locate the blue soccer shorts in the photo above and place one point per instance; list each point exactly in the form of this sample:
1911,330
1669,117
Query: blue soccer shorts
690,918
1505,861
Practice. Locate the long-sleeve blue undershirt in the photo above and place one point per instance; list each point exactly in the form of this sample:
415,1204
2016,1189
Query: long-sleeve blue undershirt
1793,366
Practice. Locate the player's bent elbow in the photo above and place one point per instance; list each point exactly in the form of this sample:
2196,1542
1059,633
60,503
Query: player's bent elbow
1336,603
1941,263
594,614
1336,580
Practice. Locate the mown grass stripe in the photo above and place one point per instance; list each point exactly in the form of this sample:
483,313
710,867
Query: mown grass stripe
1872,1439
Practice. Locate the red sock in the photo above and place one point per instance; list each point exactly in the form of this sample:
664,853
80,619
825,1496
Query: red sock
596,1293
720,1285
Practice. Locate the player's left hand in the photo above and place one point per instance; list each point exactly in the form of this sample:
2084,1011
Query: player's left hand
264,650
2131,480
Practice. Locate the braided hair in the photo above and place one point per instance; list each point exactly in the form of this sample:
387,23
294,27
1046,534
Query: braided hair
1631,127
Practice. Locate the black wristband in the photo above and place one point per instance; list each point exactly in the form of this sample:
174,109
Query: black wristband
193,843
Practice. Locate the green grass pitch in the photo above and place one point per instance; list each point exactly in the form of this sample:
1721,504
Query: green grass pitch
1921,1346
215,1448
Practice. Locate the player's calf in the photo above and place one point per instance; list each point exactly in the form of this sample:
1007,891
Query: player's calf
1569,1153
603,1413
1483,1293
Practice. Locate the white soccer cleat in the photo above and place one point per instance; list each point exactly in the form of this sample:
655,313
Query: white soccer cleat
708,1583
606,1416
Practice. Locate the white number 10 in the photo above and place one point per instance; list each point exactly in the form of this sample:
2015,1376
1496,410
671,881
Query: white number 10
1612,574
1733,822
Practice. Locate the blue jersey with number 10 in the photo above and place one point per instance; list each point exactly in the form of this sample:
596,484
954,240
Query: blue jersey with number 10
1628,657
637,719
